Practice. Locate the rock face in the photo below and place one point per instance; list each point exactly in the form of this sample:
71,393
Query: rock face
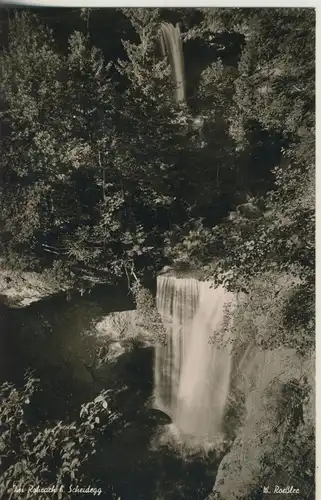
119,330
21,289
117,325
124,325
263,380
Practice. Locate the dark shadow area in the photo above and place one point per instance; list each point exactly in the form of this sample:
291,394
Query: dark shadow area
200,53
46,338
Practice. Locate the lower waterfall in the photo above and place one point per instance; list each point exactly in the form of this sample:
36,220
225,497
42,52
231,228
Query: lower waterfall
192,371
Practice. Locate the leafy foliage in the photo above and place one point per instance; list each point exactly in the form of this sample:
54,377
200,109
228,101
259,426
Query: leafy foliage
148,315
45,457
73,208
90,185
272,231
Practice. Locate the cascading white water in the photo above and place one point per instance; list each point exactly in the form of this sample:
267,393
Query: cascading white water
192,372
177,301
171,45
205,377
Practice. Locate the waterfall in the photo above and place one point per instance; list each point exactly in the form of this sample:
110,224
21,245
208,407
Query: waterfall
177,301
171,45
192,371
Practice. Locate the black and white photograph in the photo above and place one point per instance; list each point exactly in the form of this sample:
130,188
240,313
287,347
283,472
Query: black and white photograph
157,252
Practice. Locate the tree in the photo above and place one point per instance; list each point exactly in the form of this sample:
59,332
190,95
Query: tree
115,179
66,199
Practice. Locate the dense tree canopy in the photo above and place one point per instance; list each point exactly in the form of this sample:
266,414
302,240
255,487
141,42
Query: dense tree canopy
101,170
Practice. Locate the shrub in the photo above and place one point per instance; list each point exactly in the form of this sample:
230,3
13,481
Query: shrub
45,456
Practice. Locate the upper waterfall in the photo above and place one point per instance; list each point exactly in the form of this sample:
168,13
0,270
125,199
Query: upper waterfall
171,45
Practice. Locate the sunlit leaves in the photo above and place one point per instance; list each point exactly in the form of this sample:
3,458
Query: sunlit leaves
46,455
